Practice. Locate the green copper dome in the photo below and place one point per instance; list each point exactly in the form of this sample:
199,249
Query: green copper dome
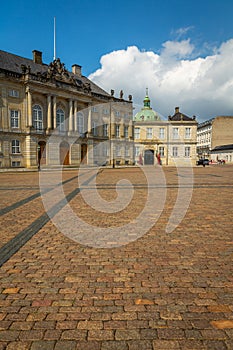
146,114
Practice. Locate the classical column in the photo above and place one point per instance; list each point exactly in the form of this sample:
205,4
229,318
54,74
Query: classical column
122,134
29,107
89,126
54,112
70,115
75,116
130,129
49,112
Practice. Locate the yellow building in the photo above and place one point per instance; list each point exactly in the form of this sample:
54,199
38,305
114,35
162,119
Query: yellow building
50,116
167,142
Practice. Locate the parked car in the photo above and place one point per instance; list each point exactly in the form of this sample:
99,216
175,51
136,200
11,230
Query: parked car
203,161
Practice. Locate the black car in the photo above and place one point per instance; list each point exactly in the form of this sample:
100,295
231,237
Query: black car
203,162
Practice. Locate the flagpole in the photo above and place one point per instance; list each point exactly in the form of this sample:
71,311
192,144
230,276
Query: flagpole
54,39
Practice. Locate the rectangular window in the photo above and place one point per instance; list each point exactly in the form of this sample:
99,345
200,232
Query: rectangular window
13,93
106,111
117,113
118,151
149,133
117,130
105,130
15,146
137,133
161,151
126,132
161,133
95,150
15,164
105,149
137,151
14,118
175,133
187,133
94,129
175,151
80,123
127,151
94,109
187,152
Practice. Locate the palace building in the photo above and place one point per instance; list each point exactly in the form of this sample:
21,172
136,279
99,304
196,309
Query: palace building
50,117
166,142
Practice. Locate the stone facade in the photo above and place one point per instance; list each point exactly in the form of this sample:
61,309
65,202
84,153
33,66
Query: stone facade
168,142
222,154
50,116
213,133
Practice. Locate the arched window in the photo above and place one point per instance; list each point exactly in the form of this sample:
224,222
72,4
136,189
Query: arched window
15,146
60,119
37,117
80,123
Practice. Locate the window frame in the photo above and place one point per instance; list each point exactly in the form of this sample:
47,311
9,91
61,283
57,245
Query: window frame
149,133
105,130
175,133
80,123
137,151
174,151
37,117
161,133
94,128
59,122
188,134
117,130
13,93
126,131
137,134
14,118
161,151
187,154
15,146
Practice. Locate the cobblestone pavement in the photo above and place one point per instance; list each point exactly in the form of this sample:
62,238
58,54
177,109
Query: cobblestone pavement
161,291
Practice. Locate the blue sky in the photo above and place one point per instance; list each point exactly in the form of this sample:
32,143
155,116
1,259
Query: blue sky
90,32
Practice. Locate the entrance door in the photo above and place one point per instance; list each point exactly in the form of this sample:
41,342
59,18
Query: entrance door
41,153
149,157
84,153
64,153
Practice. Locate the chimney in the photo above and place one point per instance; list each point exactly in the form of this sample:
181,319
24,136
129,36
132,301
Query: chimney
177,110
77,70
37,56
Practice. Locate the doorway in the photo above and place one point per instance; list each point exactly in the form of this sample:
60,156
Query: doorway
84,153
149,157
41,153
64,153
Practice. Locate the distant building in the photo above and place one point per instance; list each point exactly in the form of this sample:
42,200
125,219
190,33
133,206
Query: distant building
171,142
223,154
50,116
214,133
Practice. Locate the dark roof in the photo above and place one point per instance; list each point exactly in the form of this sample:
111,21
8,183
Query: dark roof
223,148
178,116
13,63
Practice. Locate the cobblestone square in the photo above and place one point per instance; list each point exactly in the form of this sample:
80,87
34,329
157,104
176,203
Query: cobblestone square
164,289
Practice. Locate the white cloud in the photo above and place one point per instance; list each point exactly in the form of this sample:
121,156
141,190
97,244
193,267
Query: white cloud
180,32
202,86
179,49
